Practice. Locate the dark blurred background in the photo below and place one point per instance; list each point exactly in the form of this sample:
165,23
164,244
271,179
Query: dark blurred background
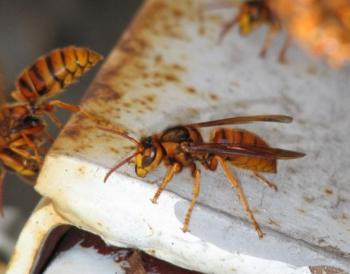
29,29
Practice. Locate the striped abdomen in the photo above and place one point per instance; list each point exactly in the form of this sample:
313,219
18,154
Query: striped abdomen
244,137
53,72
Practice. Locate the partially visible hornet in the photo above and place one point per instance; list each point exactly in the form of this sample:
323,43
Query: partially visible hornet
322,28
253,14
23,132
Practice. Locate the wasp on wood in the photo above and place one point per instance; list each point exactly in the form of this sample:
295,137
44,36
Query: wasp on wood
183,147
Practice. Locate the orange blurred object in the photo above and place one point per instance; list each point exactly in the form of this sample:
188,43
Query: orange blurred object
321,27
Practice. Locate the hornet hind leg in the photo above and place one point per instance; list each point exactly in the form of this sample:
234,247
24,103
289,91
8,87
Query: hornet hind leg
234,182
265,181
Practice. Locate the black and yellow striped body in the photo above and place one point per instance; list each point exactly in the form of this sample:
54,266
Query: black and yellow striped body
53,72
244,137
22,128
26,168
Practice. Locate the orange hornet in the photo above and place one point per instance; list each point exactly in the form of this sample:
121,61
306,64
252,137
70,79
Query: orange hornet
183,146
22,128
253,14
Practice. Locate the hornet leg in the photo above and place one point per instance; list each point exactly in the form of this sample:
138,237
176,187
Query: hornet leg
227,28
60,104
195,193
241,195
283,51
268,39
172,170
265,181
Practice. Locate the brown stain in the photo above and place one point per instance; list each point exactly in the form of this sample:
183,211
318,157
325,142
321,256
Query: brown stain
191,90
171,77
72,132
128,147
162,18
145,75
301,210
158,59
336,250
328,191
150,98
178,13
127,104
140,66
81,170
135,46
104,92
324,269
77,149
56,148
82,147
125,84
143,103
109,71
213,97
309,199
113,149
178,68
344,216
312,70
272,222
157,84
202,30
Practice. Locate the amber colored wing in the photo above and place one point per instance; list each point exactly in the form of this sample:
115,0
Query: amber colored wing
227,150
244,120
